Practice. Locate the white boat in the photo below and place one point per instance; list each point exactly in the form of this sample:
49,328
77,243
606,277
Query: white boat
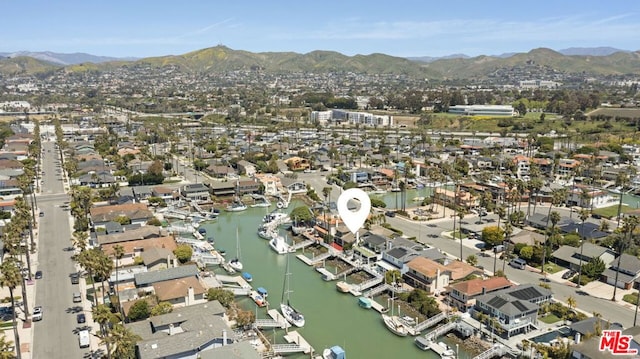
279,245
258,299
235,262
335,352
297,230
265,232
394,324
275,218
292,315
236,206
418,199
260,201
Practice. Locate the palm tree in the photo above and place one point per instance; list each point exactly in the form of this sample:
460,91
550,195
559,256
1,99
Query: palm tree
571,302
501,212
80,240
10,278
89,261
104,267
123,341
461,217
621,180
6,348
583,217
508,230
629,224
557,197
102,315
118,252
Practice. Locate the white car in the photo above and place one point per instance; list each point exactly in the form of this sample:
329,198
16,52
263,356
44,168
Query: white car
37,314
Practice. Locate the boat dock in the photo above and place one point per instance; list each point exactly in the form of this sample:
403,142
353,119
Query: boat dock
430,322
496,350
276,321
241,287
326,275
296,344
302,244
314,261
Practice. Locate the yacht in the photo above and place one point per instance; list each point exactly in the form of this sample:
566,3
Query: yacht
236,206
275,218
279,245
265,232
335,352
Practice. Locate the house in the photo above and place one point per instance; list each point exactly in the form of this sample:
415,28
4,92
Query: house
246,168
573,257
248,186
297,163
590,326
293,185
270,183
130,235
396,258
218,171
515,308
135,248
137,213
450,198
163,192
156,258
146,279
195,192
188,332
96,179
435,276
628,272
462,295
181,291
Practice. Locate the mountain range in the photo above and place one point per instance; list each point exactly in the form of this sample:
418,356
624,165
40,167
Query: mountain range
594,61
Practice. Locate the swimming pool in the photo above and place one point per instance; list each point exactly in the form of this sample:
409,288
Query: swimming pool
546,338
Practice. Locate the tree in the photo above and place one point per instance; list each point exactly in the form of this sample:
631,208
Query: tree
225,297
10,278
392,276
571,302
139,310
183,253
123,342
118,252
102,315
493,235
472,260
301,214
6,348
162,308
594,268
526,252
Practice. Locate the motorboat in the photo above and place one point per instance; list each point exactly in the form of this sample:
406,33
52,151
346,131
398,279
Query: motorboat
443,350
297,230
335,352
263,292
265,232
418,199
259,299
394,324
276,218
343,287
279,245
247,276
365,303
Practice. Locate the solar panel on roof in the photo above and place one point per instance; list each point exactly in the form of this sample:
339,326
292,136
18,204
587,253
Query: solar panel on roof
521,307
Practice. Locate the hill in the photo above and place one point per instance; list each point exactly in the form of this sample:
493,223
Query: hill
63,59
221,59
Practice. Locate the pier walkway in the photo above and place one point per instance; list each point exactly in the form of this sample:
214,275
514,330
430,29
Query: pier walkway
326,275
357,289
301,245
276,321
495,350
315,260
443,329
377,290
430,322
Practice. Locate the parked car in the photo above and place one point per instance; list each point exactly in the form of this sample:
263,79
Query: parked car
75,278
37,314
80,318
38,274
568,274
77,297
518,263
390,214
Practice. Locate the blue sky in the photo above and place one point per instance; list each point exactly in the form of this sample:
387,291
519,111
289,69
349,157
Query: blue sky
401,28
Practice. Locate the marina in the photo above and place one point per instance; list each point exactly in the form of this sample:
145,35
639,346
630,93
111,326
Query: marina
309,289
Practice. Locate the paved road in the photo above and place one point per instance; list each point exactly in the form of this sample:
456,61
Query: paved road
55,337
430,234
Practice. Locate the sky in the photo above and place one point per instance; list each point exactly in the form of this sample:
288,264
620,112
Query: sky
140,28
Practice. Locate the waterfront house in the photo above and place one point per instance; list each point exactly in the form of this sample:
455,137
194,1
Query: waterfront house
147,279
195,192
628,272
450,198
135,248
590,326
223,188
571,258
462,295
293,185
396,258
515,308
137,213
271,184
248,186
435,276
180,291
163,192
189,332
158,258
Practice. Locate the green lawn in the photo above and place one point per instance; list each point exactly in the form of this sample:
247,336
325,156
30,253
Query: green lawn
457,235
550,319
551,268
612,211
630,298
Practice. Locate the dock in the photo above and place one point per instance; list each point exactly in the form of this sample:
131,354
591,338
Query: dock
430,322
276,321
296,344
496,350
241,286
302,244
326,275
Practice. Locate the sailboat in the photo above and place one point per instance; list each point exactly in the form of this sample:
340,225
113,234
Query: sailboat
290,313
393,322
235,262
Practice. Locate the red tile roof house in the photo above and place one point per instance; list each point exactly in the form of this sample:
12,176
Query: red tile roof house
462,295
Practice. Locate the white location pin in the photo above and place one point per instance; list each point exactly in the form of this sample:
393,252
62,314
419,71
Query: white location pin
354,219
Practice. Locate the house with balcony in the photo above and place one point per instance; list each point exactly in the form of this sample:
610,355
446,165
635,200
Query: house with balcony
435,276
271,183
195,192
246,168
297,163
137,213
462,295
293,185
515,308
461,198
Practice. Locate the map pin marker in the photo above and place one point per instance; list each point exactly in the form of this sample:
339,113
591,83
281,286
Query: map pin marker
354,219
